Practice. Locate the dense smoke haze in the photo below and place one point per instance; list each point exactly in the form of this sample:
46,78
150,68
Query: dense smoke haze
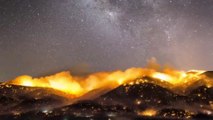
43,36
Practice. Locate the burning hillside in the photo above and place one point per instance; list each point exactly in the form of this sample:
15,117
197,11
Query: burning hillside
80,85
133,93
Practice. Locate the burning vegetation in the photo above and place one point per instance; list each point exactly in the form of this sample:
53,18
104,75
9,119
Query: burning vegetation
134,93
80,85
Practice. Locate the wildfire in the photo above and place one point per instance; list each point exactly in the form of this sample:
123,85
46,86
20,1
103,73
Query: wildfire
79,85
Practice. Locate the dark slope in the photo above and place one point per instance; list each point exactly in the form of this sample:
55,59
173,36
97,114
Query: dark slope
17,99
144,93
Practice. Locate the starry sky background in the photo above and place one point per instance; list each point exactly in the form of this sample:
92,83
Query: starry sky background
39,37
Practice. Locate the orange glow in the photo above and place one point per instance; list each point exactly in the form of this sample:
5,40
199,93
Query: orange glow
162,76
79,85
148,112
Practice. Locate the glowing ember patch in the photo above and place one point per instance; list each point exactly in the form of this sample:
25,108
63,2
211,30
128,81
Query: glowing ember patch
148,112
27,83
138,102
25,80
162,76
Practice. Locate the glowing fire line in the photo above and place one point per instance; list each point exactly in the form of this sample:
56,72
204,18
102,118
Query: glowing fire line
76,85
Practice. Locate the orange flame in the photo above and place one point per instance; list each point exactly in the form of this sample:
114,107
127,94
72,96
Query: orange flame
78,85
148,112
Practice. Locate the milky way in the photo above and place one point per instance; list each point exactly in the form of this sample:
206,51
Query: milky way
39,37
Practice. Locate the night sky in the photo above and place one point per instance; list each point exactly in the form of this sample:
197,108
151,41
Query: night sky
39,37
